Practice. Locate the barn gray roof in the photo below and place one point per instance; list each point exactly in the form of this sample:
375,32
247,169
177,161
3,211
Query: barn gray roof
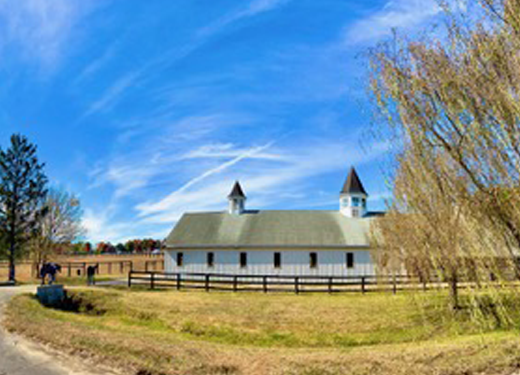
269,228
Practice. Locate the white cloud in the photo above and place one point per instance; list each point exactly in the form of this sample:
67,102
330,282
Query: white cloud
178,195
226,150
41,28
285,175
157,156
267,183
254,8
395,14
99,62
112,95
101,226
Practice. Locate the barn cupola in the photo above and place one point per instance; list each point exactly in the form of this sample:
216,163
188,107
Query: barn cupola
237,200
353,197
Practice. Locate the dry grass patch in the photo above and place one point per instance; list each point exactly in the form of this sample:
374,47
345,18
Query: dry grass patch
224,333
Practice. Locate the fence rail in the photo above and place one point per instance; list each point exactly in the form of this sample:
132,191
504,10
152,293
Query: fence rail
154,265
278,283
111,267
115,255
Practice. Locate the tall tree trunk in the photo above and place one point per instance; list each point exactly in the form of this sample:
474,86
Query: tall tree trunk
12,266
454,291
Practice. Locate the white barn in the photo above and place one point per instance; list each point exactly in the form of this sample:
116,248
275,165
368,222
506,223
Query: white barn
291,242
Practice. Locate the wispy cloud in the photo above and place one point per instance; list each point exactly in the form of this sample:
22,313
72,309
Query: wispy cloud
113,93
403,14
118,89
227,150
254,8
99,62
173,198
100,226
263,180
160,144
40,28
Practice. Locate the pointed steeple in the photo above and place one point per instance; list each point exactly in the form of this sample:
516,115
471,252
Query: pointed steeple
237,191
353,196
353,184
237,200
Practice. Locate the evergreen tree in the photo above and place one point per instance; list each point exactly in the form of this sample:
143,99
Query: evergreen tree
22,191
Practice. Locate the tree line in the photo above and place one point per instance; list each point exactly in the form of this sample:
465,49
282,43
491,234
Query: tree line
135,246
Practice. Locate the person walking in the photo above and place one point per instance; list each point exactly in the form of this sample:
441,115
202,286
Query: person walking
91,273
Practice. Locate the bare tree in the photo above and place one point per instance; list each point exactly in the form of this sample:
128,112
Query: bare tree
59,227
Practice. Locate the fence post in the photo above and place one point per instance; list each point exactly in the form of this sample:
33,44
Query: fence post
84,268
152,280
145,266
110,268
235,283
395,284
121,267
207,282
178,281
330,284
296,289
363,284
265,284
130,279
70,271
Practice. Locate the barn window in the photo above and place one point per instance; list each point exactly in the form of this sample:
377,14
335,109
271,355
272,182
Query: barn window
350,260
277,260
243,260
180,259
313,260
210,259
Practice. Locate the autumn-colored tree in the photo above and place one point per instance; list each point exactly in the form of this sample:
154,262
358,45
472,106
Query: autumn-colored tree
101,247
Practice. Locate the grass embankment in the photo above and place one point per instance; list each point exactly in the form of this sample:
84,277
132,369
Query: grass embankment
225,333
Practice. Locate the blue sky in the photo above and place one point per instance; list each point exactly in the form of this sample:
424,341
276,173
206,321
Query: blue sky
148,109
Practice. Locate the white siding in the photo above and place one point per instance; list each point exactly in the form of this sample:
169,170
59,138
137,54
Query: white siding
261,262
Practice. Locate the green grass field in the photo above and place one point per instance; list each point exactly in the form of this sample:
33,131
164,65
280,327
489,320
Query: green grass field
244,333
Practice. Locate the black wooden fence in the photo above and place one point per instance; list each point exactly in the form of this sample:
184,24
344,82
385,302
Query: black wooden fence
278,283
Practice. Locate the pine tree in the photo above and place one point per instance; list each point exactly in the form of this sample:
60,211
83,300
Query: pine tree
22,190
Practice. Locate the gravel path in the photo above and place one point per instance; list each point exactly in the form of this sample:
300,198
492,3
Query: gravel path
21,357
